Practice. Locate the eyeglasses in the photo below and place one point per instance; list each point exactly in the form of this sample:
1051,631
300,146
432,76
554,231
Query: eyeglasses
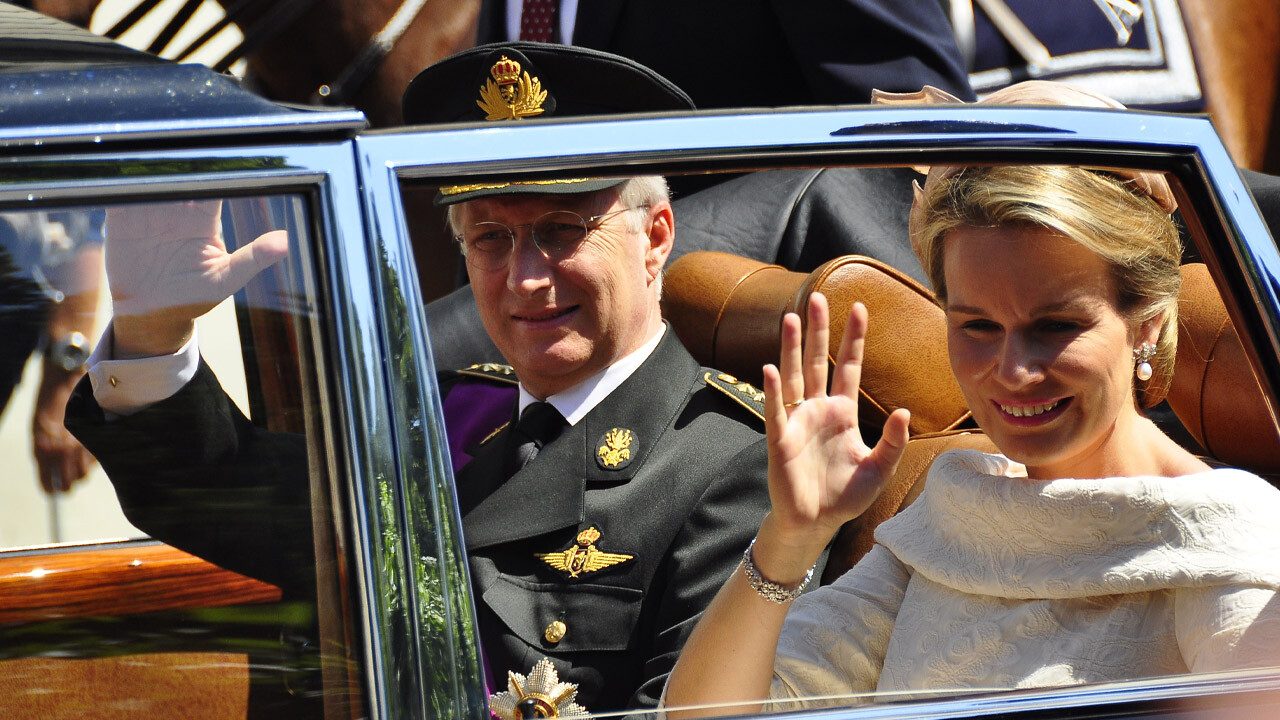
557,235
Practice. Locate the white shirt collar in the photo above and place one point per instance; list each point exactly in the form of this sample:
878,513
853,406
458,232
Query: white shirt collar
577,401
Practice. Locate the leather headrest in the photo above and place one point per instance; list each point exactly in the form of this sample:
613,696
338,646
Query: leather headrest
728,312
1214,391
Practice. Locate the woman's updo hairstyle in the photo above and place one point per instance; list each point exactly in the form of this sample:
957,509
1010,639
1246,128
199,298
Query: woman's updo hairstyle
1110,215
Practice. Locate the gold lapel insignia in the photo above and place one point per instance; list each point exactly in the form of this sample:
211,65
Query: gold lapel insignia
540,695
495,432
584,556
614,452
511,94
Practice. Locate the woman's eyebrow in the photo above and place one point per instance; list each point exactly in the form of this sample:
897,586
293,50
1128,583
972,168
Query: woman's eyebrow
1059,306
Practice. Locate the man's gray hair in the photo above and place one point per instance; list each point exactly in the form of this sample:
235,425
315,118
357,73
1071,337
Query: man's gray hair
639,191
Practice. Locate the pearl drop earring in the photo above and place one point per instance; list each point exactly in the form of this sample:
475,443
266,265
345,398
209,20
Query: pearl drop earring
1142,356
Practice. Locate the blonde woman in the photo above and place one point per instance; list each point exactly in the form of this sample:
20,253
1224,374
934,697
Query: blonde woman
1091,548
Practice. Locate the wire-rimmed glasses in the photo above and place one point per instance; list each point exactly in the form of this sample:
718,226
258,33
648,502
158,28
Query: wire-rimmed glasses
557,235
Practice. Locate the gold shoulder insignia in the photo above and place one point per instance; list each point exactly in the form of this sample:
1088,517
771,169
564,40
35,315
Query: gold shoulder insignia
744,393
491,371
583,556
511,94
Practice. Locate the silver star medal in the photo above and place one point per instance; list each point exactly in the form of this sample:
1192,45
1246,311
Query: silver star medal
540,695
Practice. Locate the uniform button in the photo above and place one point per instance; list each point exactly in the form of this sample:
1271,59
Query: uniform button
555,632
114,382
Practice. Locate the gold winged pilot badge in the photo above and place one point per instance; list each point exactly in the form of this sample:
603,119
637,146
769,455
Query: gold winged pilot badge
511,94
540,695
583,556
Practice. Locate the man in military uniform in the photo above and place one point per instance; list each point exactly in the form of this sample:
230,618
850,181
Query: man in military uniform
608,484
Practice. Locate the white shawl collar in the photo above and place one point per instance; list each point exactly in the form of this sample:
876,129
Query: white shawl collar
980,526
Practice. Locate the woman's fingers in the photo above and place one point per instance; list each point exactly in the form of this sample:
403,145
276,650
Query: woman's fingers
775,411
893,441
815,347
790,365
848,372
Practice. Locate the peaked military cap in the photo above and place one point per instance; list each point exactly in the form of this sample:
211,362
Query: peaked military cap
522,80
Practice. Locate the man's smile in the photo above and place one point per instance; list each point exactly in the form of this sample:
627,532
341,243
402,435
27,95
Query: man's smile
543,316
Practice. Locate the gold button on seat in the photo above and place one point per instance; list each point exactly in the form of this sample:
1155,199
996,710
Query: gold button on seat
555,632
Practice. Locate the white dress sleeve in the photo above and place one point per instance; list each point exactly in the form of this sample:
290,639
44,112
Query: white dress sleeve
834,639
1228,627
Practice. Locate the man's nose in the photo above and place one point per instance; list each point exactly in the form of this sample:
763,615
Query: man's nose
528,268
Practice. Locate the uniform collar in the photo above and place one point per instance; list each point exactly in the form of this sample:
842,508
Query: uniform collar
549,493
577,401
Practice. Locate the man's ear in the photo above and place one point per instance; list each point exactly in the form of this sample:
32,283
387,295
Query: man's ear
661,230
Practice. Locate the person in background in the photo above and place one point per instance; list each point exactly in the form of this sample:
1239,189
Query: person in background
50,265
753,53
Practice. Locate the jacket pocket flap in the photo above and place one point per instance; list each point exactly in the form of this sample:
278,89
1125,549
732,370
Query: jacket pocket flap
594,617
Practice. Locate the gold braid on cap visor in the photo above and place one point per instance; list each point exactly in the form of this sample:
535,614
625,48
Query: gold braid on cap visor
460,189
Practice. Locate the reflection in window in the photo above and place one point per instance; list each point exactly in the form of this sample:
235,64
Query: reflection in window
236,607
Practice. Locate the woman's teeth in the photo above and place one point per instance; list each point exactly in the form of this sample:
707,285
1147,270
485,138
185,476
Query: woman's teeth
1029,410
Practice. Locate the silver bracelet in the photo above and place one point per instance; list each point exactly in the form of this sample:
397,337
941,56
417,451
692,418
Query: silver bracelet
766,588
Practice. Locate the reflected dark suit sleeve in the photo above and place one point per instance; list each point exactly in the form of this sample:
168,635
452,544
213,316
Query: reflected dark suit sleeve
706,551
193,472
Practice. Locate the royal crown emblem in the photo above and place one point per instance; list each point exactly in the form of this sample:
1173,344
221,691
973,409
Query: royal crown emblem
614,452
510,93
583,556
540,695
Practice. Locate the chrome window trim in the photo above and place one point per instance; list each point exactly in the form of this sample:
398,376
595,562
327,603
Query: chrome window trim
428,509
177,130
1036,702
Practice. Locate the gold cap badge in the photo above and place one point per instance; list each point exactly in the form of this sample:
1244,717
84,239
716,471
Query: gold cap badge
510,93
615,451
583,556
540,695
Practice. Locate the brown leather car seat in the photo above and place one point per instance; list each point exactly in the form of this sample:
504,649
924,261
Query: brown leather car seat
728,310
1214,392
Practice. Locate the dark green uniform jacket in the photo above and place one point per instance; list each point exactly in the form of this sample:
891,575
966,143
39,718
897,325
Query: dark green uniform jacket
621,530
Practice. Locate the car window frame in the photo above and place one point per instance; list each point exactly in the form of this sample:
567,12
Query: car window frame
1231,236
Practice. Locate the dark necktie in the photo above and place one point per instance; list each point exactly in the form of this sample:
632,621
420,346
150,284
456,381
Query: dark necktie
537,19
539,424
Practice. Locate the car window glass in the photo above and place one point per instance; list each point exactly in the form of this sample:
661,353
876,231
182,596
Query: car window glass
223,592
56,308
802,218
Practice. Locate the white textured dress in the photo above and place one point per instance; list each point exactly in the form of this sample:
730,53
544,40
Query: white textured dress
991,580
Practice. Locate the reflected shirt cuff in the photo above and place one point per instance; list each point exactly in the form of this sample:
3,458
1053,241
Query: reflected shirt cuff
123,387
